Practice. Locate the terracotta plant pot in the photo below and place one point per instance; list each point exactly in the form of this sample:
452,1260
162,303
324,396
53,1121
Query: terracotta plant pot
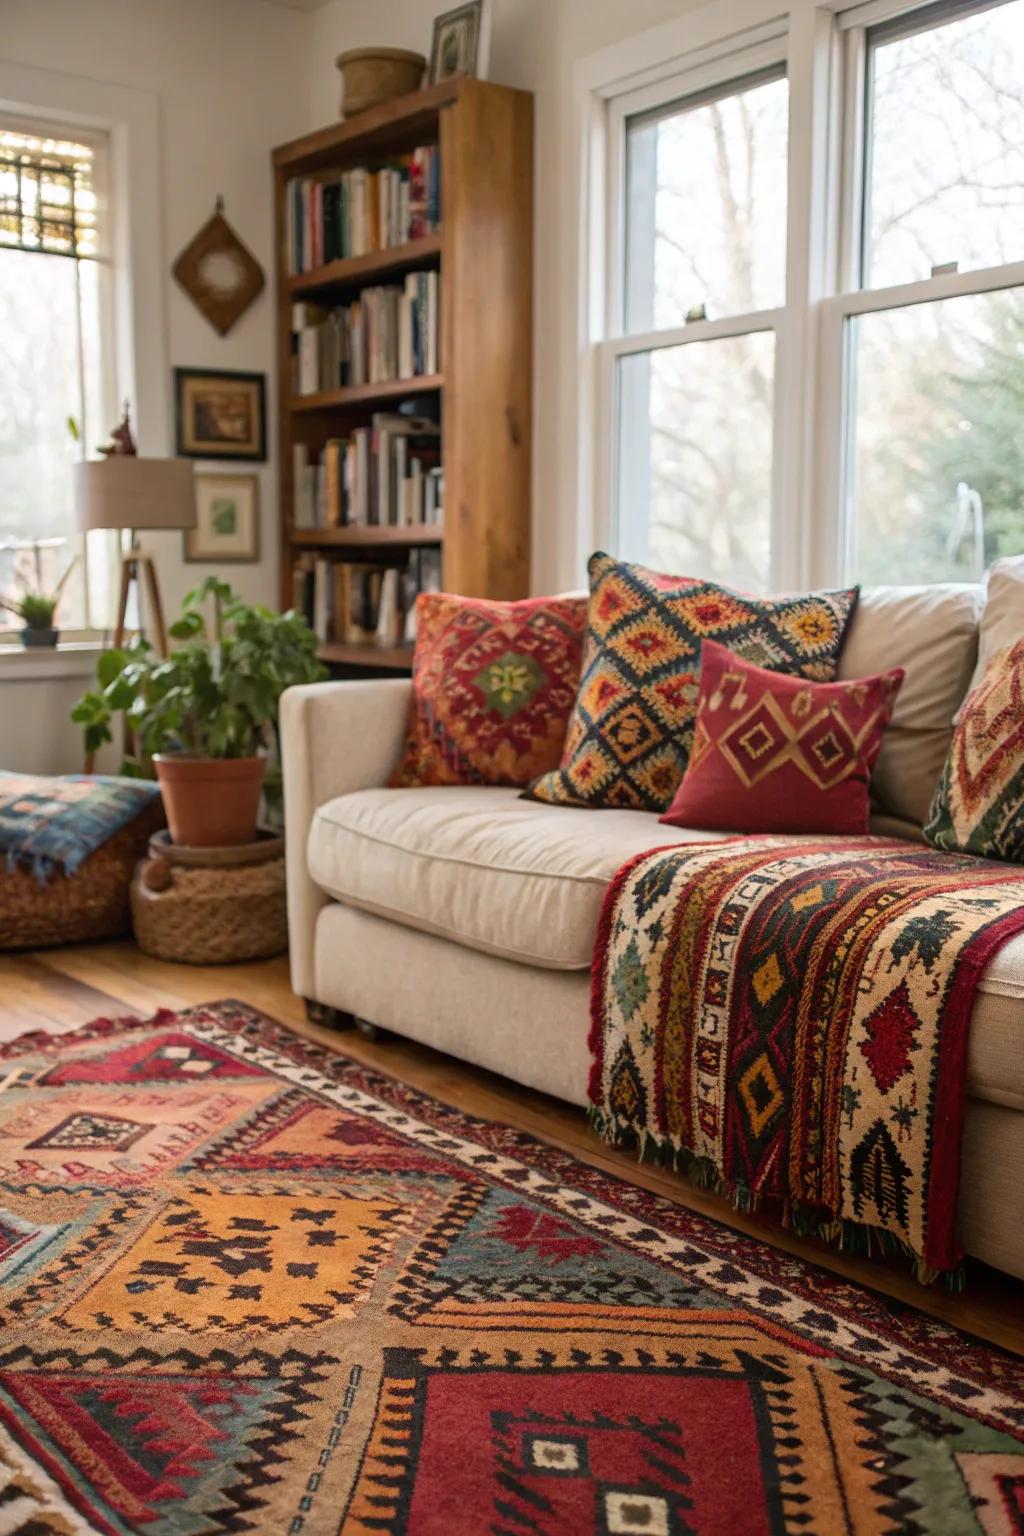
370,76
211,802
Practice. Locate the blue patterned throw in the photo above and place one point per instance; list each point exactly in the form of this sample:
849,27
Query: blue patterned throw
53,824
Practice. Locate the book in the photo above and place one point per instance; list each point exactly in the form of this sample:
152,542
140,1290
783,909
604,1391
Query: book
386,333
334,215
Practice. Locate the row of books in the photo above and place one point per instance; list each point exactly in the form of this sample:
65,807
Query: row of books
332,217
362,603
388,332
386,475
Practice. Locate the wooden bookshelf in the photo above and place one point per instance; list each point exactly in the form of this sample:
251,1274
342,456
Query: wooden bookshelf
386,393
357,271
367,538
398,658
483,252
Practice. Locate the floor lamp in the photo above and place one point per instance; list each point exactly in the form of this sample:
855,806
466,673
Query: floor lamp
126,492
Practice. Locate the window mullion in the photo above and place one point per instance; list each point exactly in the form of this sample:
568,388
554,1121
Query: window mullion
697,330
798,557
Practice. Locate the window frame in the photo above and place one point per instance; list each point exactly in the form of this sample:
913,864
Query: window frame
99,142
823,48
131,118
713,79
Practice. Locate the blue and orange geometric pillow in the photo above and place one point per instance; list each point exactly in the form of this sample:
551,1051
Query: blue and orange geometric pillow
630,734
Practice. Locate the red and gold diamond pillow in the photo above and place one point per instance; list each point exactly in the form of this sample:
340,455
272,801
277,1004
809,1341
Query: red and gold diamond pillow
979,804
779,754
493,687
629,737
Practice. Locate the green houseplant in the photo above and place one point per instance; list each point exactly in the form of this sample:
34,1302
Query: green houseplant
207,714
36,608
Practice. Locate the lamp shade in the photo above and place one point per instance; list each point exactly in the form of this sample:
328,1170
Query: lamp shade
126,492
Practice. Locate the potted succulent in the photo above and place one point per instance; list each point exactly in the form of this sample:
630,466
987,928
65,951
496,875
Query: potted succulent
36,608
206,715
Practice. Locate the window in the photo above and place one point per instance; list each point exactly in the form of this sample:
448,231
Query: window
704,271
855,414
56,362
934,343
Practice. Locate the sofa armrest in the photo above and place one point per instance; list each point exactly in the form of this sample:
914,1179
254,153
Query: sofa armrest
335,738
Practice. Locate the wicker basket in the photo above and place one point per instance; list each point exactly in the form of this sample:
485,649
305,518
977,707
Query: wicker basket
211,906
91,904
371,76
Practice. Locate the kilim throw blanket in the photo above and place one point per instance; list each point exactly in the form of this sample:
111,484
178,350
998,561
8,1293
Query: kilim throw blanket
49,825
785,1019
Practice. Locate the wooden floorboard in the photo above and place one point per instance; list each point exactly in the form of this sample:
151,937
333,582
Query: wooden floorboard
61,988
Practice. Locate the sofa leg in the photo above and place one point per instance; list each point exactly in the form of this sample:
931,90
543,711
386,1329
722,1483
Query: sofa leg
326,1016
370,1031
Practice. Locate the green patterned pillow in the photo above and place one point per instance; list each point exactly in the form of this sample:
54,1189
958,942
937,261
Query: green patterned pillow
632,725
979,804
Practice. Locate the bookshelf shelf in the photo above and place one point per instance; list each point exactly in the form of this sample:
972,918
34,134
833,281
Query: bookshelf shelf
368,394
398,657
482,392
366,537
359,270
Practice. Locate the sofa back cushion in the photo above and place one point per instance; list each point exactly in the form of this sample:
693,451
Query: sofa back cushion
1002,621
932,633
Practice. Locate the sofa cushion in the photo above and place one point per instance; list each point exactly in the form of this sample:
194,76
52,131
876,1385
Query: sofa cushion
932,633
525,881
481,865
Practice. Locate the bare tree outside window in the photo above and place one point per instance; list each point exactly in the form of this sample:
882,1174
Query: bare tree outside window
937,388
706,234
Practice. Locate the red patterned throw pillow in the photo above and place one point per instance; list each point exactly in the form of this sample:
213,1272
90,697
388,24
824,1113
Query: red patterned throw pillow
493,688
778,754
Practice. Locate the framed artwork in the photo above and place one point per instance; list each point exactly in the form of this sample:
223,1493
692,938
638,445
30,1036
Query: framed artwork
227,520
219,414
461,42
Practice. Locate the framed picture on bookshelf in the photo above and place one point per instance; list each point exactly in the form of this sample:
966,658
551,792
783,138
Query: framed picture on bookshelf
227,520
461,42
220,414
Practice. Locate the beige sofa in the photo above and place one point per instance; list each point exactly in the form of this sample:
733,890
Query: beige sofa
465,918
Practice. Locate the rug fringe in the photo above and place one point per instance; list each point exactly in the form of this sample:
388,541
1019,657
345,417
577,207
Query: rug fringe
852,1237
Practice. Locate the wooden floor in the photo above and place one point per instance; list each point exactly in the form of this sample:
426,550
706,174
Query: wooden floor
59,989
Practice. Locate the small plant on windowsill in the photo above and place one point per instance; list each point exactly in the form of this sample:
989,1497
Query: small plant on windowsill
206,715
37,609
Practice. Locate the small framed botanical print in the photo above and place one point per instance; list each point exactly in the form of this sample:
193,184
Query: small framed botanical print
220,415
461,42
227,520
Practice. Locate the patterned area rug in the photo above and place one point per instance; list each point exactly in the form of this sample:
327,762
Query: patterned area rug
248,1285
786,1018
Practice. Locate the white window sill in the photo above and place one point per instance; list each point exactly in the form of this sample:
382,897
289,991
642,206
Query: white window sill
73,658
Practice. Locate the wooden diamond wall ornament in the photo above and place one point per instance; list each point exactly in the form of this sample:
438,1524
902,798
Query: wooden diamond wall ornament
220,275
